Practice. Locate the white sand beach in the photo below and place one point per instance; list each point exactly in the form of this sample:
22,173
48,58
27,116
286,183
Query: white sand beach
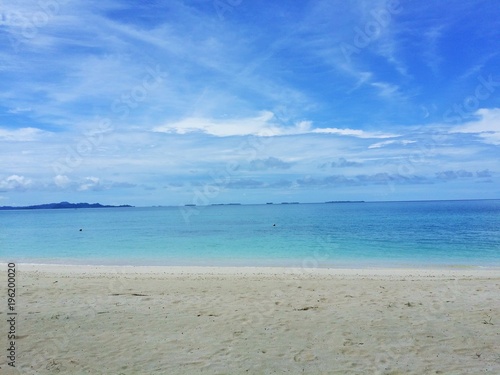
187,320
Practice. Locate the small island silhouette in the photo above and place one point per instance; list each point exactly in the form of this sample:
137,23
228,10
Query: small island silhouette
61,205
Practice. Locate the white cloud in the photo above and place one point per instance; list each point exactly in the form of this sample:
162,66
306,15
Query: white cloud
62,181
259,125
90,183
264,124
487,126
15,182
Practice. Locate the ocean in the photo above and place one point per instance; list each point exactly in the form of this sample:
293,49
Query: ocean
342,235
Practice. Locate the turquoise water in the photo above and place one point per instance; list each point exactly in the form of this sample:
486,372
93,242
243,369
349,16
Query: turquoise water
379,234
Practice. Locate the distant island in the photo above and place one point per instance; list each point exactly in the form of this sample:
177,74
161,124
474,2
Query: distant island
345,202
61,205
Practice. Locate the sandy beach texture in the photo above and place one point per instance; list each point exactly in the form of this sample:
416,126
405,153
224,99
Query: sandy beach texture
157,320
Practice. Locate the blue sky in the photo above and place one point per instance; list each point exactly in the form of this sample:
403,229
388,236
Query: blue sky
218,101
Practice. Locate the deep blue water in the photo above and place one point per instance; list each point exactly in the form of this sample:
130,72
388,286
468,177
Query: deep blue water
379,234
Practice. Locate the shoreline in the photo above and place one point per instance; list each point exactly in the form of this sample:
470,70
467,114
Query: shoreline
375,272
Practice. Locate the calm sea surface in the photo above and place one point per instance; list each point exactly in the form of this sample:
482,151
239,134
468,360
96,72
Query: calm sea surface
381,234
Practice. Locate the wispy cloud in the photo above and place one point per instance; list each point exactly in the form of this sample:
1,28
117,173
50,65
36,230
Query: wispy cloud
354,133
269,163
403,142
386,89
21,135
431,51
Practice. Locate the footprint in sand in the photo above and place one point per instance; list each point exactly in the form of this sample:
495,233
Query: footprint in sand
304,356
